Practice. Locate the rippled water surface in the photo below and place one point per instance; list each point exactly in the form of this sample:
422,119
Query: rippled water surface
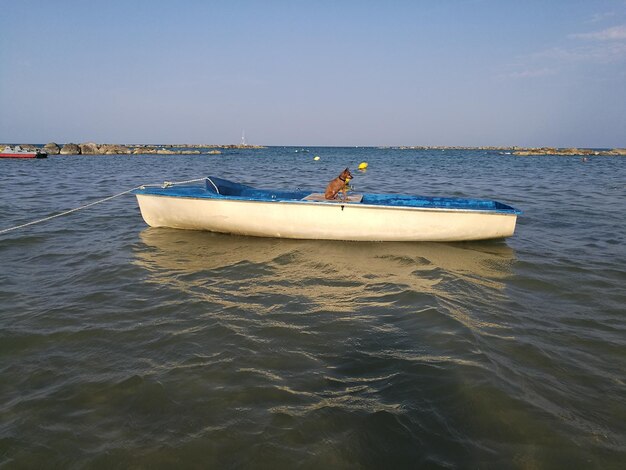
127,346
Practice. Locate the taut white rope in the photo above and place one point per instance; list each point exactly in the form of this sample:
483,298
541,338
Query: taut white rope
66,212
167,184
164,185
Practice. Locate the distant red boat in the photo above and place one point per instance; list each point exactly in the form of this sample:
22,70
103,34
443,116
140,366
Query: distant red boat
19,152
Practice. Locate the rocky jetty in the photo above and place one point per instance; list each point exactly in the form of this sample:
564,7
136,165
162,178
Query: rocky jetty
526,151
92,148
568,152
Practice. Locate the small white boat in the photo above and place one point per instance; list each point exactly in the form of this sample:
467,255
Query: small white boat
218,205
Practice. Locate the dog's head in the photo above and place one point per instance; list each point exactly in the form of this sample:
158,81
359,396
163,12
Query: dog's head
345,175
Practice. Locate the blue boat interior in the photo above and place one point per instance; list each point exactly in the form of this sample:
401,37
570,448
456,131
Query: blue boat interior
218,188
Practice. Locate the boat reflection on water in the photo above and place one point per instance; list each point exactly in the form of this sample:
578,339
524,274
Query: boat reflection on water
233,269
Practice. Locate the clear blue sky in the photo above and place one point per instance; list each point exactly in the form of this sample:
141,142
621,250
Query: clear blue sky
315,72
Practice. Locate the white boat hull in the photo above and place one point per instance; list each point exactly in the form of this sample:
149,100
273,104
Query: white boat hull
323,220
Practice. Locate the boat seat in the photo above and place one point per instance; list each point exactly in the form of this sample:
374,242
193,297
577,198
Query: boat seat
319,197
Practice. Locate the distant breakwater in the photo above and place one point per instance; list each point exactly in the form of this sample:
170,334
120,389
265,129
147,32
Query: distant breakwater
529,151
91,148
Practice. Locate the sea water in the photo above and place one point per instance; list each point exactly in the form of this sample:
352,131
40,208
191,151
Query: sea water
128,346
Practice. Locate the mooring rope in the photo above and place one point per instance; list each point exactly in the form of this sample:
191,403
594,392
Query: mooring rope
165,184
67,212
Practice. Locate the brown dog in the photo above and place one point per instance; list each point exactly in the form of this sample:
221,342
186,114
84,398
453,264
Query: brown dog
338,184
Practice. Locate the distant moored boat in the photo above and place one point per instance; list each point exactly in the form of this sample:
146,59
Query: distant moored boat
19,152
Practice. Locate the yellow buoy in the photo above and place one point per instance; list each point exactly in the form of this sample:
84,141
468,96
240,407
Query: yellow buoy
316,157
363,166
